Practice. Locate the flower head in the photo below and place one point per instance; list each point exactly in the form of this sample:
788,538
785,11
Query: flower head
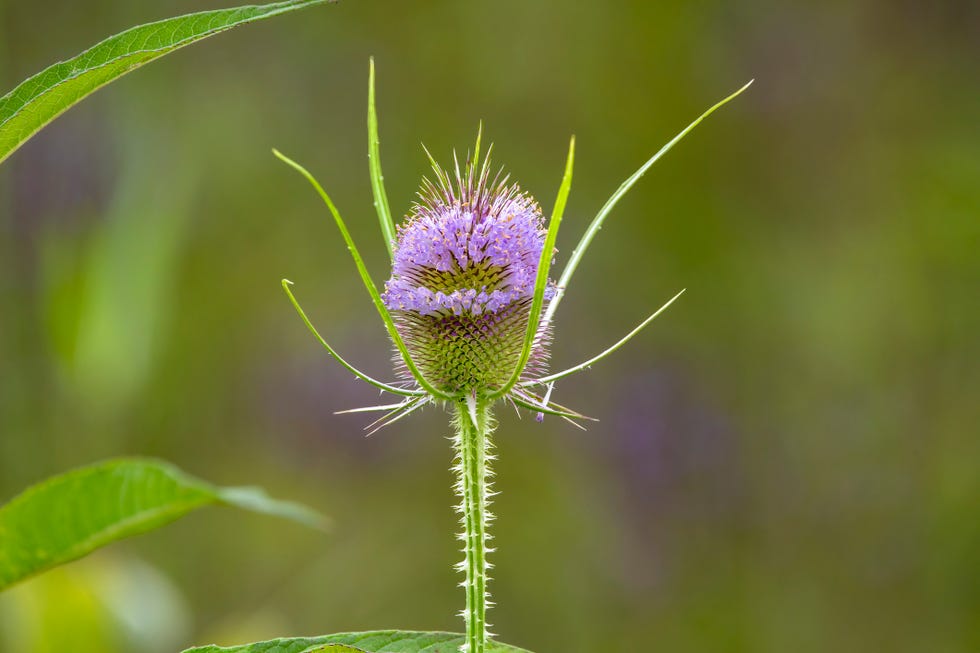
469,305
463,276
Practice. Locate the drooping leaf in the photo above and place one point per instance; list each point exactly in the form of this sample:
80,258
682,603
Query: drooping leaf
379,641
68,516
40,99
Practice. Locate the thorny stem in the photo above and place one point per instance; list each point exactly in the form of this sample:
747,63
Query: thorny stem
472,445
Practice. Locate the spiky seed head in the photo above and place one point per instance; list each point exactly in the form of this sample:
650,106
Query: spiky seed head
465,263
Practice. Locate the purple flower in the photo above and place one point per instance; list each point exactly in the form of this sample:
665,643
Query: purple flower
463,275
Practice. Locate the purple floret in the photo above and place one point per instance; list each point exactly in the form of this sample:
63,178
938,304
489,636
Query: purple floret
465,248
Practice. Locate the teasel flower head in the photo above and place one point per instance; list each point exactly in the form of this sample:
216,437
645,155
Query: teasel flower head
463,279
469,304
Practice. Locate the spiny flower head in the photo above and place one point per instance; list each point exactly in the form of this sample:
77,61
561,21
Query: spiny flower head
469,305
463,277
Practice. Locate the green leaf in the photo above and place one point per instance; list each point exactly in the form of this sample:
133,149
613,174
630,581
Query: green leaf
400,641
71,515
43,97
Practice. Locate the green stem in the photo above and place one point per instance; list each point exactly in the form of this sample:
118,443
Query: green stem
472,444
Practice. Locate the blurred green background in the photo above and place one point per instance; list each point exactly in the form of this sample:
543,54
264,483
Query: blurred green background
788,460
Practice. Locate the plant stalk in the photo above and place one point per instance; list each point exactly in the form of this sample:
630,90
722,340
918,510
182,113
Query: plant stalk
473,457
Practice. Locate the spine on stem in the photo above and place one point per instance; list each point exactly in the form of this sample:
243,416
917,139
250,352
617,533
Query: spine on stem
472,466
